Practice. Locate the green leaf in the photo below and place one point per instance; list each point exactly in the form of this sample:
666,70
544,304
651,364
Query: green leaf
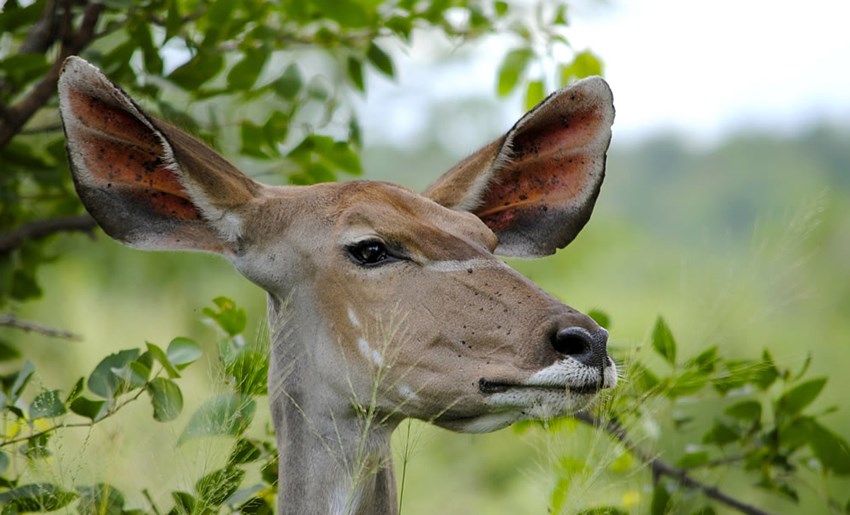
380,60
748,411
214,488
36,497
534,94
4,462
103,381
687,383
290,83
93,409
705,361
831,450
139,373
355,73
560,17
162,358
603,510
269,472
182,352
35,447
184,503
663,342
559,493
78,388
720,434
141,35
796,399
173,20
661,501
256,506
166,398
100,499
600,317
21,379
229,317
250,371
244,74
220,11
584,65
501,8
512,68
693,459
201,68
47,405
252,138
767,374
8,352
245,451
227,414
341,156
644,379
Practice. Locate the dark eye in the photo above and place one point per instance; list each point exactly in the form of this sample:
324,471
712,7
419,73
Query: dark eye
369,252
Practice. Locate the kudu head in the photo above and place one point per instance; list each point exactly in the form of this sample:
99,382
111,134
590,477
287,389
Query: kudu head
378,295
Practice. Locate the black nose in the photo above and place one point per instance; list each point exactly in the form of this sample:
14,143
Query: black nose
583,346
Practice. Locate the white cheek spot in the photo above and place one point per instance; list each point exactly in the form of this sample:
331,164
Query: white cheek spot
369,353
353,317
407,392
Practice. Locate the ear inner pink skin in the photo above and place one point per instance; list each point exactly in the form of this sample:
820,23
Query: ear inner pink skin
120,152
548,170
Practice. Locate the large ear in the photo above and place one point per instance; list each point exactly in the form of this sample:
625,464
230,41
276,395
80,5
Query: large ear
535,187
147,183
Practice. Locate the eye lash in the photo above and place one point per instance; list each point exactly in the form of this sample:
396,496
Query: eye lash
373,252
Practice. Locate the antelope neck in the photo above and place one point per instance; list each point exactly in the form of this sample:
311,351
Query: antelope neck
332,458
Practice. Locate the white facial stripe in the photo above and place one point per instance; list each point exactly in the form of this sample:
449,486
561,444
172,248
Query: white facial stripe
465,265
407,392
490,422
353,317
369,353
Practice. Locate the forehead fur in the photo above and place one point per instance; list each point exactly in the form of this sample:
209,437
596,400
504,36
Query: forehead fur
402,216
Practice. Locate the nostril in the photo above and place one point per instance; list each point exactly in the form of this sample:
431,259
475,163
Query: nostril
573,341
579,344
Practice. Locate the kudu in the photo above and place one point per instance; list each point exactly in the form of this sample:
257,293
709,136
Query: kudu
382,303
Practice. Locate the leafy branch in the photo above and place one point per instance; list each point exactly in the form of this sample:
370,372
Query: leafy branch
43,228
23,325
660,467
73,42
766,431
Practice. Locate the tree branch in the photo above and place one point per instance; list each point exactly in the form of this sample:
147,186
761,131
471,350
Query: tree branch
72,43
16,323
43,228
662,468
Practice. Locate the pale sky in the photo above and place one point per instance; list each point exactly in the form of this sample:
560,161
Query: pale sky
704,68
699,69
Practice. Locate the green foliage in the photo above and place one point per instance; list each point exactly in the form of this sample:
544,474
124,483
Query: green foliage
118,380
754,417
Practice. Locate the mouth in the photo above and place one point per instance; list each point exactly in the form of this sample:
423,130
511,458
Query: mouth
488,387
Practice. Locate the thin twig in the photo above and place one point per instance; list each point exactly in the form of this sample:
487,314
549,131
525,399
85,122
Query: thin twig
662,468
43,228
89,424
23,325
